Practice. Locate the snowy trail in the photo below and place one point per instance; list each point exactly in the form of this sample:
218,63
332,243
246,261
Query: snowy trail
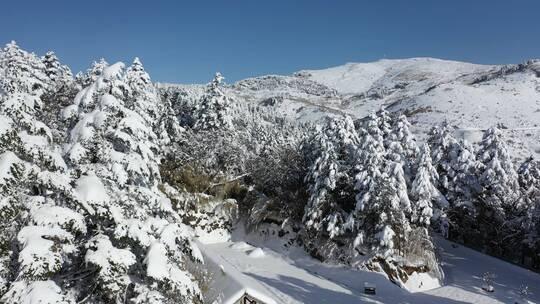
291,276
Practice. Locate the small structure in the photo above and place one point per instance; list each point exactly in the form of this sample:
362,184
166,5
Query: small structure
230,286
249,299
487,281
369,288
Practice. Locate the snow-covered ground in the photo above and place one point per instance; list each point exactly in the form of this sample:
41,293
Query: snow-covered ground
463,268
289,275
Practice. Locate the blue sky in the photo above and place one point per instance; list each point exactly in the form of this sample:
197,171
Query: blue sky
187,41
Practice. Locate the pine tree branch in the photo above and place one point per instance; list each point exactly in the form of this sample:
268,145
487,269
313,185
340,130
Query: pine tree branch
226,182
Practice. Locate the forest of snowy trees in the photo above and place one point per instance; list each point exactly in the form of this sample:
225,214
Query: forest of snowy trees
105,177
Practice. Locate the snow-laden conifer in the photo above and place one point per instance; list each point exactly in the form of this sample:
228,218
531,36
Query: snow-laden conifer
423,190
58,74
369,162
36,244
385,122
112,147
462,191
332,151
498,175
441,142
529,180
144,99
385,225
214,109
402,147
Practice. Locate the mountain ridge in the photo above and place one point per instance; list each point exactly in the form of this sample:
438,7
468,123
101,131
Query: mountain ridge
428,90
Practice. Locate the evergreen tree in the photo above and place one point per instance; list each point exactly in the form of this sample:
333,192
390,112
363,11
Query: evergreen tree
213,110
463,190
22,71
143,98
531,233
370,161
384,122
498,176
529,175
385,225
529,213
61,89
92,74
332,150
402,146
425,194
142,95
59,75
369,165
138,79
112,149
442,143
463,182
36,216
499,198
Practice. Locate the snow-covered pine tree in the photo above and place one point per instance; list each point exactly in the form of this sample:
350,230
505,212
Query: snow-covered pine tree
462,191
213,110
138,239
58,74
142,96
385,123
529,175
424,192
464,179
529,213
386,231
442,142
144,99
500,190
61,89
23,82
498,176
331,150
381,220
402,147
22,71
385,225
369,165
38,226
529,182
531,236
91,75
370,160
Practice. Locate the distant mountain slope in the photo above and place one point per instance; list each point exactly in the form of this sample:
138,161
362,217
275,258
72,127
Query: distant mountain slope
429,91
470,97
413,74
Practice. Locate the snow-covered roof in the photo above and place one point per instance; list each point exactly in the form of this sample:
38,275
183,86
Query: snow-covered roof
229,284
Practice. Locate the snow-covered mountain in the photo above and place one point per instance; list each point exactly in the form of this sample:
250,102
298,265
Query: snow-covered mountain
470,97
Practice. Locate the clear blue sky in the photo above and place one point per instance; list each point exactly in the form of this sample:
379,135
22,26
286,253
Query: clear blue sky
187,41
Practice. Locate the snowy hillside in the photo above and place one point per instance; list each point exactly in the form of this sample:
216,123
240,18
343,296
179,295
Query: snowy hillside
470,97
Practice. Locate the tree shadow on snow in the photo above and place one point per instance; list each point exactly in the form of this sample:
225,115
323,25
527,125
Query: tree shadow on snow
307,292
